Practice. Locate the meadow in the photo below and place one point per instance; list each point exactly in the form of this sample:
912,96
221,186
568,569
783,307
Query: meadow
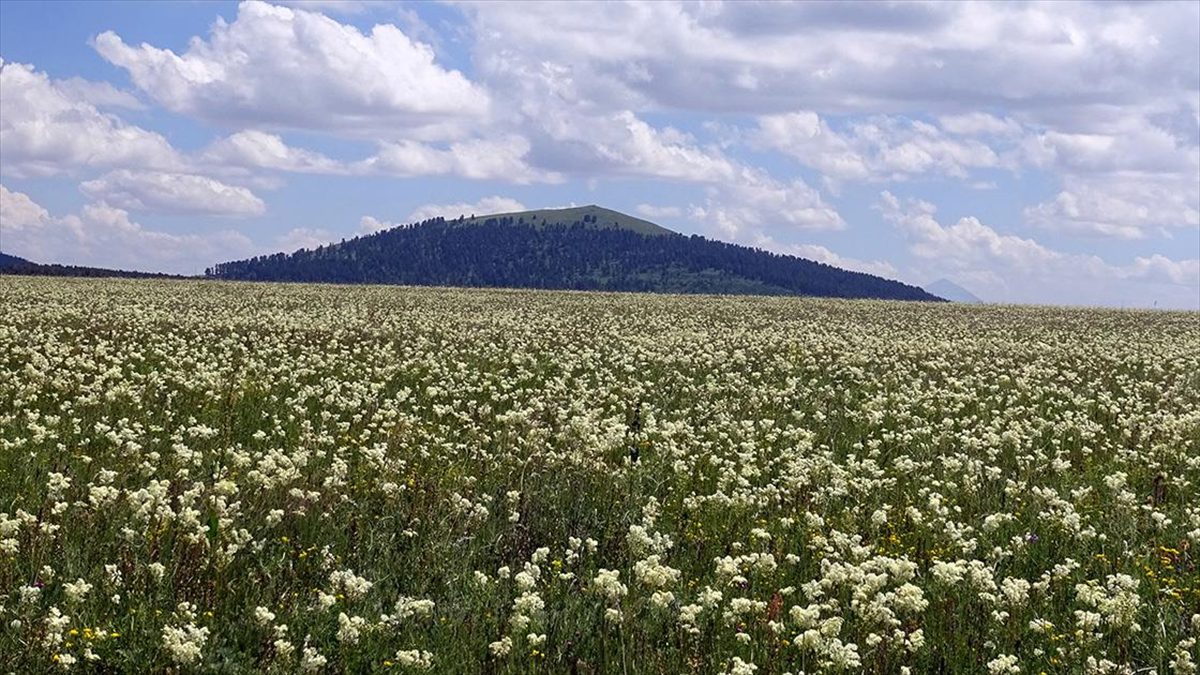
240,478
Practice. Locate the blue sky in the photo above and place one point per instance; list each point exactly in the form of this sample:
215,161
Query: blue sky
1034,153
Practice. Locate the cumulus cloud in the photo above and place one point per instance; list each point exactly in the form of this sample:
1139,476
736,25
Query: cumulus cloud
1097,101
279,67
1127,206
332,6
104,236
371,225
17,210
944,89
652,211
501,158
565,138
99,94
160,192
945,58
879,148
622,144
744,208
822,254
260,150
47,128
1020,269
979,124
879,268
1126,179
303,237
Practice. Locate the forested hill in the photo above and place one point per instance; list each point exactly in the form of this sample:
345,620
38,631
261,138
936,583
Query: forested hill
585,248
11,264
7,261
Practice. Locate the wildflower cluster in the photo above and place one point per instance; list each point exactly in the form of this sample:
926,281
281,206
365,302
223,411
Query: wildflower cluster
248,478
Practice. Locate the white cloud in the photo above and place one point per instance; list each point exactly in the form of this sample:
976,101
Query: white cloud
640,148
303,237
1098,99
371,225
99,94
1122,205
879,148
567,139
946,58
652,211
879,268
501,158
1125,179
806,137
754,202
1072,88
979,124
47,128
622,144
1018,269
104,236
288,68
160,192
332,6
1127,144
17,210
260,150
1160,268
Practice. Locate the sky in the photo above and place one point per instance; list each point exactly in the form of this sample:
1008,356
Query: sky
1032,153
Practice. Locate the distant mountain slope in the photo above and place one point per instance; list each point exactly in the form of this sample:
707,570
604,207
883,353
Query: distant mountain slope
585,248
11,264
944,288
7,261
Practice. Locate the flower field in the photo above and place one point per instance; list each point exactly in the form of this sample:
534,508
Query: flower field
239,478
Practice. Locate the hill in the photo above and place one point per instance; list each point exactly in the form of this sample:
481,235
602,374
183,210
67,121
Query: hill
944,288
11,264
583,248
7,261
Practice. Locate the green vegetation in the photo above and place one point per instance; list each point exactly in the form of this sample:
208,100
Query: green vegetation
245,478
585,248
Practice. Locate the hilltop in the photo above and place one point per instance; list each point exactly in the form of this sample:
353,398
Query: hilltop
591,216
582,248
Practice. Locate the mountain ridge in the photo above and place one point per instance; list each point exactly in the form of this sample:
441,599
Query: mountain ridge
581,248
944,288
11,264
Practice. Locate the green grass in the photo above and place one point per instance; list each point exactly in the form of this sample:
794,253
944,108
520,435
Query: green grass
260,441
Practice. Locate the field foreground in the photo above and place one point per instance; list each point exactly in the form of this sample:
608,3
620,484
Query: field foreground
221,477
